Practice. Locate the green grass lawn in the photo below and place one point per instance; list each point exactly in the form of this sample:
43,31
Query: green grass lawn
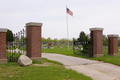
110,59
59,50
105,58
63,50
12,56
45,70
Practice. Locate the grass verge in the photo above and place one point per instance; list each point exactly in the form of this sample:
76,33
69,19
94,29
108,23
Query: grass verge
54,71
107,58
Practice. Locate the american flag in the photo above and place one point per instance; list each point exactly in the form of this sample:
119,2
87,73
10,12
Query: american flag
69,12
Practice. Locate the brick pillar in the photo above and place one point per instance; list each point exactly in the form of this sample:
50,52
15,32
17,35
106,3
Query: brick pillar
3,58
113,45
34,40
97,38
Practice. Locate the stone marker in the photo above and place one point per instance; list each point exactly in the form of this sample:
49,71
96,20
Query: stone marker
24,60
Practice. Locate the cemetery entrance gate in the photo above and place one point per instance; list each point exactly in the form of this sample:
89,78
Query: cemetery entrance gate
17,47
84,48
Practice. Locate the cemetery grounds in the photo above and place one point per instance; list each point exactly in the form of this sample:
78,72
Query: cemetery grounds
44,70
50,70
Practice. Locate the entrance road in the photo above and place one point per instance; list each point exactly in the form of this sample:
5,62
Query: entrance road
95,69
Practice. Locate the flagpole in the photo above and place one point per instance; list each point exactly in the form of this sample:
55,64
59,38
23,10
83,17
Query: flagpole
67,27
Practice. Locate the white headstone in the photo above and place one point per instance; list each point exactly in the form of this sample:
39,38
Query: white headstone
24,60
81,48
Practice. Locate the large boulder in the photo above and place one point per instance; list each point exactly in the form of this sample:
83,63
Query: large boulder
24,60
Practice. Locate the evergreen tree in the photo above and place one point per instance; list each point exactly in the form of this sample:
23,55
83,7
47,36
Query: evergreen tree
9,36
86,47
82,37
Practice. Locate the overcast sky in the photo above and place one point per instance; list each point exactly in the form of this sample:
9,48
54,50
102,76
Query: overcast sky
14,14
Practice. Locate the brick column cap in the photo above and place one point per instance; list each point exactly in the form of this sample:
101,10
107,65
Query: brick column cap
3,30
112,35
34,24
96,29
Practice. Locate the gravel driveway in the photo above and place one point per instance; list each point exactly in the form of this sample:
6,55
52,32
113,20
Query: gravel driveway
95,69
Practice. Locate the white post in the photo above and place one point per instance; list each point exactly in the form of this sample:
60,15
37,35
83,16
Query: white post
67,27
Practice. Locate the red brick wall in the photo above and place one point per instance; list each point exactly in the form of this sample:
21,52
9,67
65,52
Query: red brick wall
2,45
33,41
97,42
112,45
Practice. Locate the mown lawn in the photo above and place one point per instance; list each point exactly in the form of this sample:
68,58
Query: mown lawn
105,58
45,70
64,50
110,59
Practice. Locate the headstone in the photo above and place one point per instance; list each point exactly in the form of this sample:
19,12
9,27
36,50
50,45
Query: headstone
61,47
51,47
49,44
24,60
54,44
81,48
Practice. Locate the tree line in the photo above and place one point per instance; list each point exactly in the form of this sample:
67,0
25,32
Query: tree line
9,37
55,40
